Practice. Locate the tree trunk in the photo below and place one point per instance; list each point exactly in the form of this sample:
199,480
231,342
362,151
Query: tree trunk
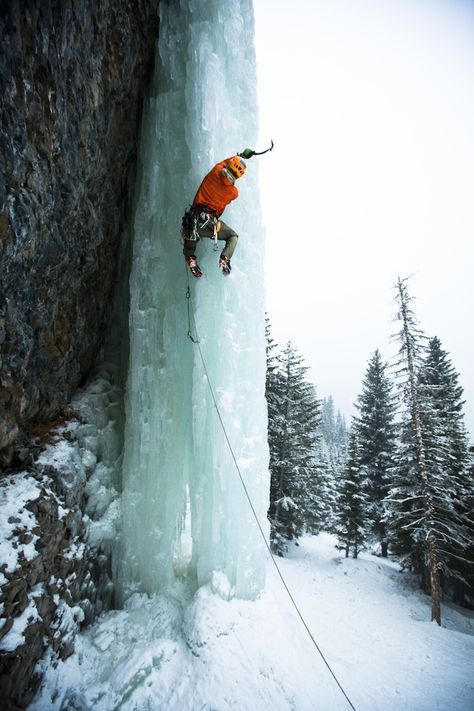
383,540
435,590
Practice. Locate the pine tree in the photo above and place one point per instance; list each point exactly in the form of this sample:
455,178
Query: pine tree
340,436
463,592
447,459
439,383
273,393
332,457
315,491
351,517
328,421
376,430
411,497
330,469
295,476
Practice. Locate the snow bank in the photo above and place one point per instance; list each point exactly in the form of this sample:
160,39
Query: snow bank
15,492
180,650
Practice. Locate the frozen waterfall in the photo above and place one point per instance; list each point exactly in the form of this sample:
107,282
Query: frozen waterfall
184,510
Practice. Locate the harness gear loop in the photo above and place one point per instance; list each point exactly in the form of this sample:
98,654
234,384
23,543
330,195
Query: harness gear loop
205,217
196,218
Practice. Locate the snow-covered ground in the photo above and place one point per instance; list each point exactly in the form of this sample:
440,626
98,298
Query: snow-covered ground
173,652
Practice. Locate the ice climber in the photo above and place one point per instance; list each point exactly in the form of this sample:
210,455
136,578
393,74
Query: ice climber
216,191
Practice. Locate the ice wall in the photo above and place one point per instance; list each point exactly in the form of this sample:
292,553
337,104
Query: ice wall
202,109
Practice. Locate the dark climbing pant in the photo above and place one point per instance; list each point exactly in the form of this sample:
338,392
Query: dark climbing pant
226,234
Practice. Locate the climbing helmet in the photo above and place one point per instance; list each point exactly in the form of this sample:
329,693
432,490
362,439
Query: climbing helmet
237,166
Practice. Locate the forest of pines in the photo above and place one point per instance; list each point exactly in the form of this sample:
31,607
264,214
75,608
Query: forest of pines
399,481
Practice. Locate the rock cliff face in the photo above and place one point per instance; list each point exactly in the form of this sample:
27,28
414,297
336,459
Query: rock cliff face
72,76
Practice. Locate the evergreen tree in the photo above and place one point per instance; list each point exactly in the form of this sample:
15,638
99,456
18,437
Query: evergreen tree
332,457
295,476
439,383
328,421
273,393
351,517
340,435
447,459
463,584
330,469
412,496
376,430
315,492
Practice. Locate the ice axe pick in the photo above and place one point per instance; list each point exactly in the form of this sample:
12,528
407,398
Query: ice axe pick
249,152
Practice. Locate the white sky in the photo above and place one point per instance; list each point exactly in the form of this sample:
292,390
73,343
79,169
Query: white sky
371,107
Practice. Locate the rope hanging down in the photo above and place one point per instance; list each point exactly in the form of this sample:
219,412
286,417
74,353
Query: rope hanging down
188,299
195,340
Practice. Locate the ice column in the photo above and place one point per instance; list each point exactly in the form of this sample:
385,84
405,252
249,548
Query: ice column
202,108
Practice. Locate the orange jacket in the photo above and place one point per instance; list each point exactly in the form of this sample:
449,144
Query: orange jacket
216,191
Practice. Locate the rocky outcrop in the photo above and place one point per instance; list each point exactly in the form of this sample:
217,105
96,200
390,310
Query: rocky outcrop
58,520
72,77
39,598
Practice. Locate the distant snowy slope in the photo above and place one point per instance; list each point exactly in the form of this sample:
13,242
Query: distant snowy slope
374,624
173,652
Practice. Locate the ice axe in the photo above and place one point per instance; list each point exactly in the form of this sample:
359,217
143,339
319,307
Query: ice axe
249,152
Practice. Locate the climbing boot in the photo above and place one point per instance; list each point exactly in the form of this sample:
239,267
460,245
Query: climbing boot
224,263
193,266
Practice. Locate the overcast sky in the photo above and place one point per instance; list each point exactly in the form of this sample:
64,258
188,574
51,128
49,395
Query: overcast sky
371,107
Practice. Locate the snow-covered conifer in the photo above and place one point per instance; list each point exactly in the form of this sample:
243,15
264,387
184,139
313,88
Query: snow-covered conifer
273,393
295,475
340,435
447,459
351,516
376,430
414,488
332,457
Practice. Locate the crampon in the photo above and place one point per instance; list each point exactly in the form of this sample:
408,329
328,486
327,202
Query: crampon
194,266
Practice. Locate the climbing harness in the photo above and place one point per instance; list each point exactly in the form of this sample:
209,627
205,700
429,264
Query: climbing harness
249,152
196,341
196,218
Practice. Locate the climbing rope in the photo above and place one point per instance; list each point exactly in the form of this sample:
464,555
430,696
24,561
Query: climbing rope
188,297
188,303
195,340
